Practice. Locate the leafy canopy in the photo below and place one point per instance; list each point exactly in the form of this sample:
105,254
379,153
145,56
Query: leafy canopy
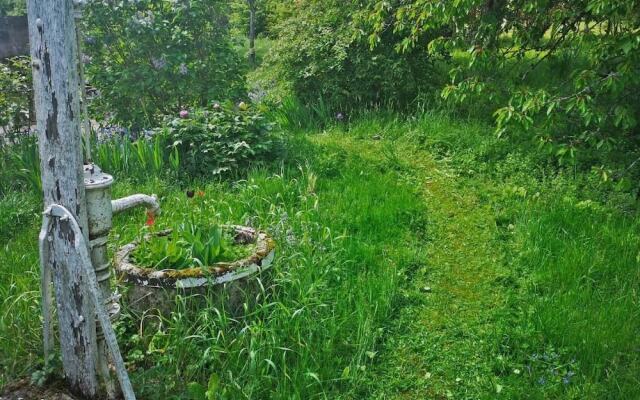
590,93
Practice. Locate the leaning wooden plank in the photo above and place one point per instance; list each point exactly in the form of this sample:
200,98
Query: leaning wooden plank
59,213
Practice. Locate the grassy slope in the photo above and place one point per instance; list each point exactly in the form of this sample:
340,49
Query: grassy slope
532,276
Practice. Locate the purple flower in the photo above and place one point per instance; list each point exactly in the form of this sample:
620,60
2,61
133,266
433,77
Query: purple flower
567,377
158,63
184,114
182,69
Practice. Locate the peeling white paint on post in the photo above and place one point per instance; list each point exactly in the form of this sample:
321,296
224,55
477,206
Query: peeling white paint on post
55,78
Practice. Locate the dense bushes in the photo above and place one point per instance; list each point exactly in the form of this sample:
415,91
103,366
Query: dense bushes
220,139
152,57
566,72
320,55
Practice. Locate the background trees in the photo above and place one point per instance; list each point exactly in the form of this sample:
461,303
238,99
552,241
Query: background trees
320,55
566,70
562,73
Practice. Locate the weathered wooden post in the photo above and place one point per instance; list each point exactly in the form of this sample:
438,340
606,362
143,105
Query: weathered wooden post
73,237
55,80
64,238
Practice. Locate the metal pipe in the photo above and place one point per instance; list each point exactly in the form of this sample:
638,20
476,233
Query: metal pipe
128,202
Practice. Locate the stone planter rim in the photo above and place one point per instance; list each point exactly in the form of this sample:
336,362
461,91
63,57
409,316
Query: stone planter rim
260,259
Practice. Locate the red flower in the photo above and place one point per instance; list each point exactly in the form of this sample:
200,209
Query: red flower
200,193
151,219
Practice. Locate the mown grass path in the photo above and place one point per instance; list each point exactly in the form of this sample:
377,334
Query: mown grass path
418,258
440,341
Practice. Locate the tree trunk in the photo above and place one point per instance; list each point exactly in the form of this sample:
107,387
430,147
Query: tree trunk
252,32
55,80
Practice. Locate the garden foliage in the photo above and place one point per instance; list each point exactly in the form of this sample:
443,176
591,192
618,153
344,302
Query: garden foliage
588,50
13,7
152,57
188,245
220,139
16,96
318,55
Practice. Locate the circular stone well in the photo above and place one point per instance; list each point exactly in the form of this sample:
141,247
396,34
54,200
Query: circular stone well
152,289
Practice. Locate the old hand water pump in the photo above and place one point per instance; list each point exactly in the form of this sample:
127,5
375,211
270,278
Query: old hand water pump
100,211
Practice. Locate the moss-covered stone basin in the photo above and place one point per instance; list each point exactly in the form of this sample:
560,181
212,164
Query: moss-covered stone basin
149,288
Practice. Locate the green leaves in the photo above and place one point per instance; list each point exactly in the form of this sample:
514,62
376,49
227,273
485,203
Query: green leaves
220,139
152,57
342,53
15,95
197,391
564,71
188,245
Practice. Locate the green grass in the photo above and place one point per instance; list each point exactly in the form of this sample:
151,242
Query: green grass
343,234
417,258
531,270
584,260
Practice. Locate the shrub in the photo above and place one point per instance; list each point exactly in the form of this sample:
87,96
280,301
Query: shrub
320,55
220,139
152,57
566,72
16,96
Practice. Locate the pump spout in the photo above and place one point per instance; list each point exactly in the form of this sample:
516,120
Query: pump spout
128,202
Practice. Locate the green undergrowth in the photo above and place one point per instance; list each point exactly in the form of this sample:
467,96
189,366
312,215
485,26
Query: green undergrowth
417,258
188,245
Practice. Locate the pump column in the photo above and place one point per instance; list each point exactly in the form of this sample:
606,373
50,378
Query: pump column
100,213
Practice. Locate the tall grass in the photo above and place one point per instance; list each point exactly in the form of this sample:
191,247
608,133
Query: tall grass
20,166
136,159
347,212
292,115
584,260
342,239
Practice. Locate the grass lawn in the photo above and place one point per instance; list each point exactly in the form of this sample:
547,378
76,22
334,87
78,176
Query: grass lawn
417,258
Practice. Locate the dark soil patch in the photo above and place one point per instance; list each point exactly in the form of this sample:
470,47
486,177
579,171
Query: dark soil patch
24,390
